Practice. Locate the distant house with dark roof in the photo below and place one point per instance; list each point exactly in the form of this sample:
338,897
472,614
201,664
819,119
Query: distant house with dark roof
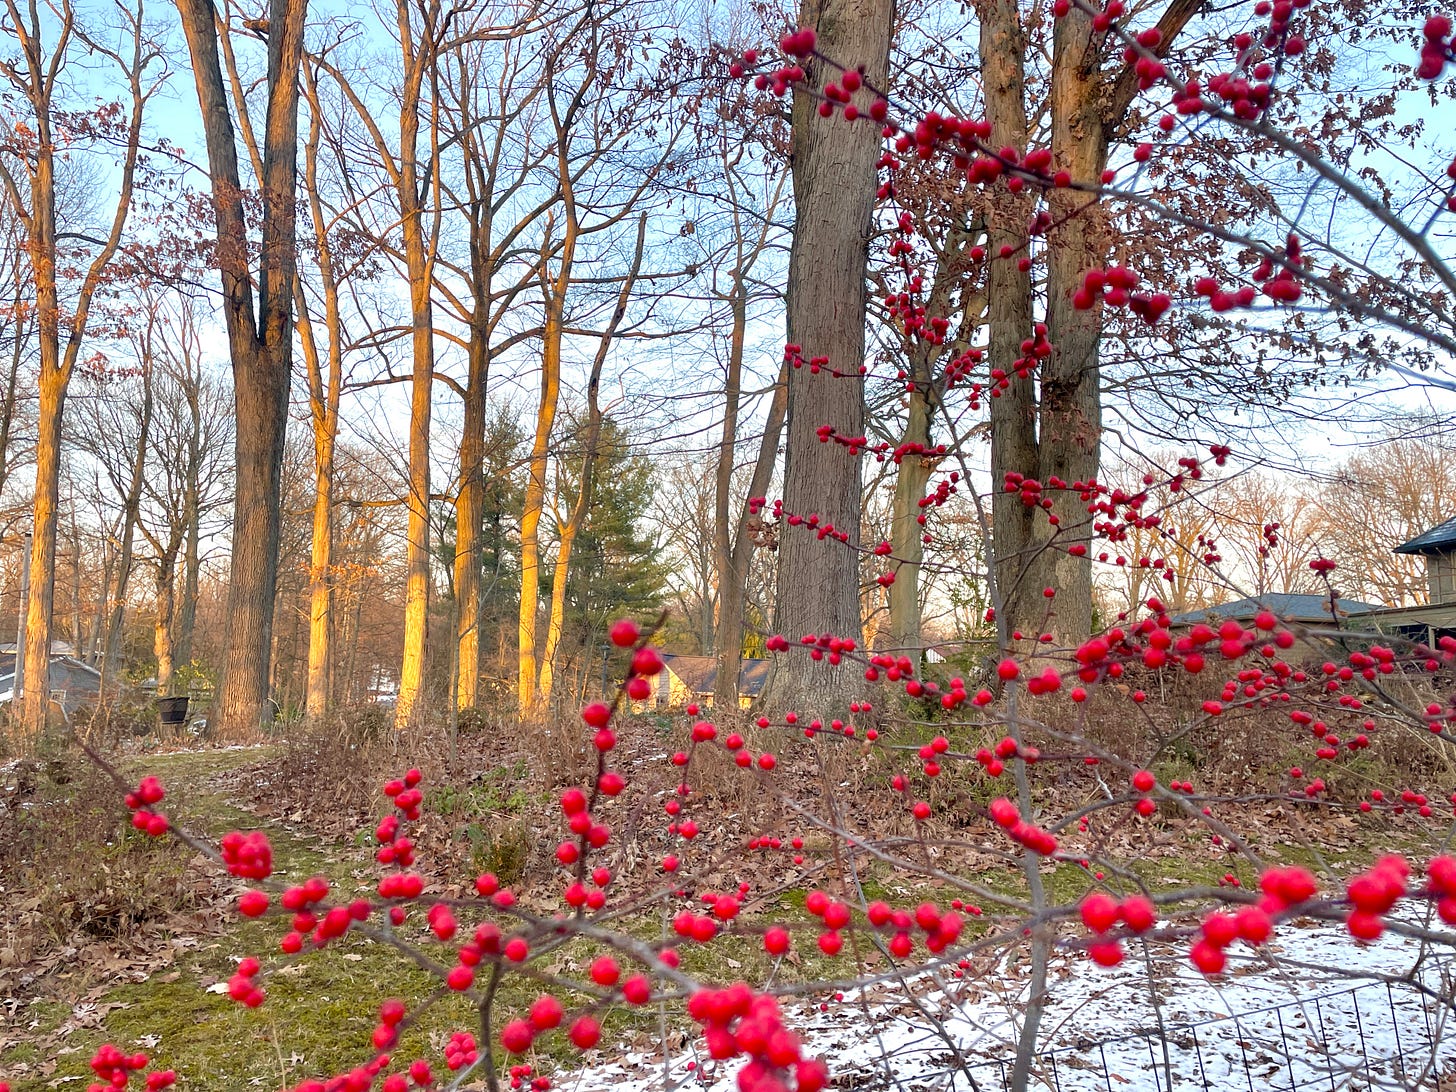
692,678
74,684
1426,623
1308,610
1437,547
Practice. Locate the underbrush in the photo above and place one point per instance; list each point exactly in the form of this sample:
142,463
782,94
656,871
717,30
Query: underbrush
72,869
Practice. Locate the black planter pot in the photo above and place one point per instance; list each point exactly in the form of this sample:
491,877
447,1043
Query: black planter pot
172,711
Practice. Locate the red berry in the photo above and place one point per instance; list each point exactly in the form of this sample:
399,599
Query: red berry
585,1033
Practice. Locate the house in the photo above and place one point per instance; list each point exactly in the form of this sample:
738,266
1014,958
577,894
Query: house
74,684
1306,610
691,679
1426,624
1437,619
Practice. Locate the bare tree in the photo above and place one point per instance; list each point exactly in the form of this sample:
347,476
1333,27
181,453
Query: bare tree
260,335
29,174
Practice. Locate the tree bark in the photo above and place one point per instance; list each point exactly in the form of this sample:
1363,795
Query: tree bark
36,74
535,499
419,263
260,345
834,191
162,636
131,503
733,578
469,516
323,399
556,623
1009,311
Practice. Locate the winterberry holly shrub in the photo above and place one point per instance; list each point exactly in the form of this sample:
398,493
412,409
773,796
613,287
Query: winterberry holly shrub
971,766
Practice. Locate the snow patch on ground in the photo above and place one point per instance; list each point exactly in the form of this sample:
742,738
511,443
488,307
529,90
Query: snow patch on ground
1297,1016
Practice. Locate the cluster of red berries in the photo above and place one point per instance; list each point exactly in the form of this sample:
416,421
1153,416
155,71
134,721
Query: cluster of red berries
736,1022
1101,913
247,856
1373,894
1007,816
116,1069
242,987
142,801
1114,288
545,1015
520,1074
1283,889
1435,47
405,793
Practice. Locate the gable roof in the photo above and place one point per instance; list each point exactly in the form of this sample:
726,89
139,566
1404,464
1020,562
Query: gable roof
1290,608
700,673
1439,538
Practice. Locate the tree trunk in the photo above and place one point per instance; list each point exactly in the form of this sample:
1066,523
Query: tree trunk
162,634
1071,424
419,264
469,515
43,548
260,345
111,649
1009,318
590,455
323,391
907,549
531,511
834,192
733,577
191,570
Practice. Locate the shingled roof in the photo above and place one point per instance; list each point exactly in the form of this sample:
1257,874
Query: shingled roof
1438,539
700,673
1289,608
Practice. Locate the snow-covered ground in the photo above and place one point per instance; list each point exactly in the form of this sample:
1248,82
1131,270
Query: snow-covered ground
1275,1022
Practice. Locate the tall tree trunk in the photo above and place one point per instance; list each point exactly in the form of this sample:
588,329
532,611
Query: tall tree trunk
912,478
553,292
43,545
1009,318
1071,426
533,506
733,577
419,264
260,345
38,74
111,649
162,635
834,191
323,398
191,570
591,454
469,515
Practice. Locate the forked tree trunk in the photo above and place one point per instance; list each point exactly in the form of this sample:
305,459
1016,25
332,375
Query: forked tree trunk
591,455
59,338
834,193
260,344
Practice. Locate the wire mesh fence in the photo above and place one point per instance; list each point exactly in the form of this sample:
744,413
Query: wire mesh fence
1375,1035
